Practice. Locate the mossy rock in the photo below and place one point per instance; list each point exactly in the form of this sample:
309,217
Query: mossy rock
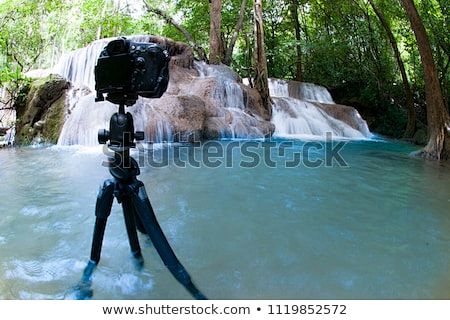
41,113
25,135
54,120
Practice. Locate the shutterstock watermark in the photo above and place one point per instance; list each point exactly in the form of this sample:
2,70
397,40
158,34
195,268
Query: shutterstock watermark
243,154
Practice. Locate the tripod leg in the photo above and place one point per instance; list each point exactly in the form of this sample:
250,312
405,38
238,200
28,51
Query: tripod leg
139,224
129,215
148,218
103,206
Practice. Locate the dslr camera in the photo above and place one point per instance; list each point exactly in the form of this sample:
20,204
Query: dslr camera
127,69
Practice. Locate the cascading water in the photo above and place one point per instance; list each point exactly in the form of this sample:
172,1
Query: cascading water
299,90
78,66
7,118
297,112
228,94
293,117
313,92
86,117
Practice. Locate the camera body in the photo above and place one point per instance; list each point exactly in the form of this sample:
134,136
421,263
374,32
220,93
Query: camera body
126,70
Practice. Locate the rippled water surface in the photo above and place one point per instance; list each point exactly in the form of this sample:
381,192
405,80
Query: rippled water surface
379,228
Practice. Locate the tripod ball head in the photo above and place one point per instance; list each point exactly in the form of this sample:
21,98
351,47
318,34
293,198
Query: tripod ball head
121,132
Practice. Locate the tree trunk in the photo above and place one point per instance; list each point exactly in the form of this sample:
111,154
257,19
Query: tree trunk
261,78
438,147
229,54
298,60
190,39
99,29
215,39
411,124
249,58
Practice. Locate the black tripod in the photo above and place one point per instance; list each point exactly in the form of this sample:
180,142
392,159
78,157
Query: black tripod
136,206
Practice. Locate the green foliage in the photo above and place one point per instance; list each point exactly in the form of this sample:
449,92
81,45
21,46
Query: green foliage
345,48
24,39
35,33
343,45
390,120
103,19
195,18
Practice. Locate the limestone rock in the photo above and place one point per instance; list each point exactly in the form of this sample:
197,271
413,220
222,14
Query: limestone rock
41,112
343,113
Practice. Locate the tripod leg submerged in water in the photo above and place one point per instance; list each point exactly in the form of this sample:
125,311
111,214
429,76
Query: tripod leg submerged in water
130,223
138,213
103,207
145,212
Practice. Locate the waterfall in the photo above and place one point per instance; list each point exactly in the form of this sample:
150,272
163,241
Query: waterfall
86,116
299,108
300,90
297,118
313,92
78,66
229,94
7,119
307,110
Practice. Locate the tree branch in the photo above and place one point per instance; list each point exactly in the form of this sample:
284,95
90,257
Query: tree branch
237,30
197,48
